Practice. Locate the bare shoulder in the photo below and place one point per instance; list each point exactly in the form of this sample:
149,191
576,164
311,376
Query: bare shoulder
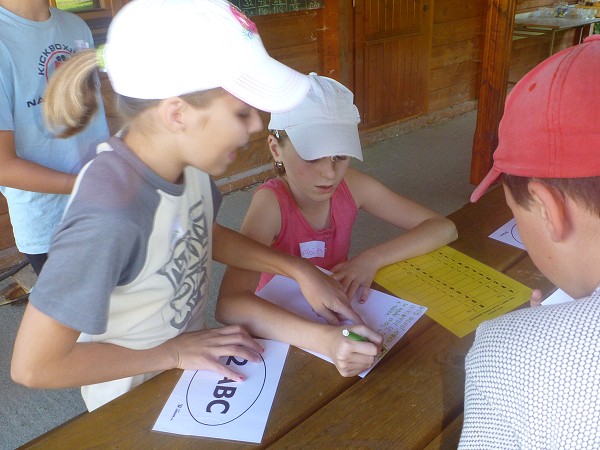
263,218
264,201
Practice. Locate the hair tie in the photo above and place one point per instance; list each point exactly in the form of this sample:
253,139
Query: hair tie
100,56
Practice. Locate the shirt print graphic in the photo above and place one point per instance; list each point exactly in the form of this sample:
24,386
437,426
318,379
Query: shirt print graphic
53,56
187,269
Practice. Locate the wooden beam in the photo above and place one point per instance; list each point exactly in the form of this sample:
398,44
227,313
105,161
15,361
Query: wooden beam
494,78
338,42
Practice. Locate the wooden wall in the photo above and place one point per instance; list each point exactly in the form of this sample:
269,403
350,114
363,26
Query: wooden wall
454,69
6,235
457,45
296,39
322,40
528,52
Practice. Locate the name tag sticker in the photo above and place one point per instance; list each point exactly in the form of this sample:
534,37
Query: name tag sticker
312,249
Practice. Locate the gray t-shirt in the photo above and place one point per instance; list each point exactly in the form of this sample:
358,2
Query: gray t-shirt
130,262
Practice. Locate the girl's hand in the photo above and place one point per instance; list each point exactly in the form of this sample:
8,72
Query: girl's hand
201,350
326,296
352,357
355,274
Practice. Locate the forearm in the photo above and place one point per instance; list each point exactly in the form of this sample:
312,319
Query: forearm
26,175
237,304
263,319
229,245
430,235
323,293
90,363
47,355
270,321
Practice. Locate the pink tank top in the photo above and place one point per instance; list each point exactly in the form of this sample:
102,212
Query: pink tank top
325,248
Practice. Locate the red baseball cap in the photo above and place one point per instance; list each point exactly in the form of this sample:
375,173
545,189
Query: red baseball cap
550,127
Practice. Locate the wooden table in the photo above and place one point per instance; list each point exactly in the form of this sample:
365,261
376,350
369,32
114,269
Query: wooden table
412,399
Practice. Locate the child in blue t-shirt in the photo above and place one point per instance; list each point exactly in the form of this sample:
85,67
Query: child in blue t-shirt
37,170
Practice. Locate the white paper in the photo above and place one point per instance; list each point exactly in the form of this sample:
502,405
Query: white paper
509,234
207,404
390,316
559,296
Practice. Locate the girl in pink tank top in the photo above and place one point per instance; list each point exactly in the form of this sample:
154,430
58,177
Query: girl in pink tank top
309,211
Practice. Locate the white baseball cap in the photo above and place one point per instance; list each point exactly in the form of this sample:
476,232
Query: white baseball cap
157,49
324,124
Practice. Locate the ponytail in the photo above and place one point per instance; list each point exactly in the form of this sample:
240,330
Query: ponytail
71,98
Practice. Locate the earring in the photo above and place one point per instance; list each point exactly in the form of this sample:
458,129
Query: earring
279,165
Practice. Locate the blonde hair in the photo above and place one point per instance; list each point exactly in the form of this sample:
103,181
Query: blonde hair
71,98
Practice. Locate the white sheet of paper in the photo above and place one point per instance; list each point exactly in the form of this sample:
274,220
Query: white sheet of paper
204,403
559,296
509,234
390,316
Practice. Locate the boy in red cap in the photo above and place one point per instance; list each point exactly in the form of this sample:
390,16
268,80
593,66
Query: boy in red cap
533,376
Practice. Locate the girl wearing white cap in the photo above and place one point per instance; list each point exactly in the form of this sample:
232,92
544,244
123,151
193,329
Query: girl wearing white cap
123,292
309,211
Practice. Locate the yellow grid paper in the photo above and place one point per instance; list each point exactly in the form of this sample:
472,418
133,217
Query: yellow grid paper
458,291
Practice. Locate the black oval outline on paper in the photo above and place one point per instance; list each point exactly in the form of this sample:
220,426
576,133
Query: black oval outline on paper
514,232
187,393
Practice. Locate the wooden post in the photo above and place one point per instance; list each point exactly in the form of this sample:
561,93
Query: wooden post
331,40
494,78
338,41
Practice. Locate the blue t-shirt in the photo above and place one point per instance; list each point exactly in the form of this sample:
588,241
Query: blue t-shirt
30,52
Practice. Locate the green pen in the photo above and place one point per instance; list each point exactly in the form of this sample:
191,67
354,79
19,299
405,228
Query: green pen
354,336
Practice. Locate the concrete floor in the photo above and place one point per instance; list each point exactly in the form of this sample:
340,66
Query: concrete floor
430,165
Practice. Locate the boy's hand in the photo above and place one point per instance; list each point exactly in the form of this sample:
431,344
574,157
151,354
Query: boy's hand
201,350
536,298
356,275
352,357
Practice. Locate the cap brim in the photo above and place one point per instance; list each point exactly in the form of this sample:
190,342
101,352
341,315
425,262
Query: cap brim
319,140
489,179
269,85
